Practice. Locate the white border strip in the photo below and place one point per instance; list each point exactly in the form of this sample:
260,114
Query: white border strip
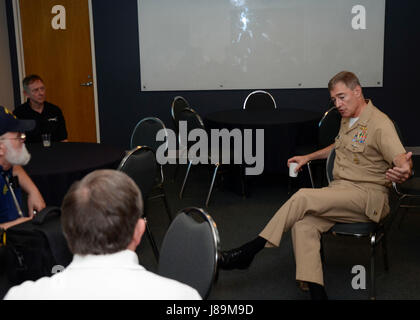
19,46
94,78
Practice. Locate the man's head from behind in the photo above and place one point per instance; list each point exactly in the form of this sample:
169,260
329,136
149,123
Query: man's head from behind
34,89
102,214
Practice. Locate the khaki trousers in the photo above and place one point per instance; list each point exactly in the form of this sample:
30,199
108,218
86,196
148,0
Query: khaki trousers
310,212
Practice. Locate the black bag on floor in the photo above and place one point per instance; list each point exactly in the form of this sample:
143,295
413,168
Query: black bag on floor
36,248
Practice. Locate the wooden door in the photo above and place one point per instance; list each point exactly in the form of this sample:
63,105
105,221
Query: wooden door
56,46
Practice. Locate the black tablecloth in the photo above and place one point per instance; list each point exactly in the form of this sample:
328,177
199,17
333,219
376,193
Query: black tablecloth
54,169
284,129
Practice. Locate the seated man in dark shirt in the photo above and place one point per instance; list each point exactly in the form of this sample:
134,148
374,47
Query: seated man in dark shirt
48,117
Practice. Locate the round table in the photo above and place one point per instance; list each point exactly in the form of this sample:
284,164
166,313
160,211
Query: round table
284,130
54,169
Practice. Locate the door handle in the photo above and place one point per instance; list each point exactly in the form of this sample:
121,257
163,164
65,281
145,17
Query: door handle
87,84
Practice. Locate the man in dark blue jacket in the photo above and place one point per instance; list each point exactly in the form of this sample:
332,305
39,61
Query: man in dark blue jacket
13,155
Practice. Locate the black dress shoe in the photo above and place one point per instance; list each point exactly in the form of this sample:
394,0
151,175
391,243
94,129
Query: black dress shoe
235,259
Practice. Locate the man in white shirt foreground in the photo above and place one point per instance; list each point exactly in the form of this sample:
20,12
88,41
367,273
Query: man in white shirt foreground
102,222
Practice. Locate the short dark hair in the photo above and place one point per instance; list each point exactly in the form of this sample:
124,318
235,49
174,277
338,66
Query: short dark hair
30,79
347,77
100,212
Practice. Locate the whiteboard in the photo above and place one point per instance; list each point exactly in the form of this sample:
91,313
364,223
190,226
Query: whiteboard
255,44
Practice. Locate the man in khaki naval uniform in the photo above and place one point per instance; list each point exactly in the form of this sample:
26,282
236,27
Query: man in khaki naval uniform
369,156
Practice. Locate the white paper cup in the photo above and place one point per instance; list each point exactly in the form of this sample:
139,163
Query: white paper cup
292,167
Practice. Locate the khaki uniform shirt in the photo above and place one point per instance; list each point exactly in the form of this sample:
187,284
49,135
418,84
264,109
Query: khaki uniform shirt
364,153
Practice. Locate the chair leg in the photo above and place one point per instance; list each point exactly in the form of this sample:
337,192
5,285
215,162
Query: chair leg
402,217
243,182
185,180
372,291
385,252
310,174
152,242
212,184
178,157
165,201
175,172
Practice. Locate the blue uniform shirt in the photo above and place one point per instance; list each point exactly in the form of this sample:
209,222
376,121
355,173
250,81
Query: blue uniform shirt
8,210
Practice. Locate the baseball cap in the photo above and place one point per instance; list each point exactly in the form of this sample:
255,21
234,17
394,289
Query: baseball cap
9,123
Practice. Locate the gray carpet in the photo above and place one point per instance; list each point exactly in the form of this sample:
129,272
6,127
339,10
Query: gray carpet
272,274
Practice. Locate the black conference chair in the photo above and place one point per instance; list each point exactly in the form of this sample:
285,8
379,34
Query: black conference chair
194,121
190,250
145,131
140,164
259,100
144,134
179,103
409,191
328,128
376,232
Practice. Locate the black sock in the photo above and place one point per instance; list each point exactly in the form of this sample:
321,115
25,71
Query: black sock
317,291
254,246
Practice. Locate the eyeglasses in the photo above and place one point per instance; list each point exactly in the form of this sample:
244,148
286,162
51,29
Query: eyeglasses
21,136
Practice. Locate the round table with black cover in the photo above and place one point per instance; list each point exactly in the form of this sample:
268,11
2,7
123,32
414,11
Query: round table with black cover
54,169
284,130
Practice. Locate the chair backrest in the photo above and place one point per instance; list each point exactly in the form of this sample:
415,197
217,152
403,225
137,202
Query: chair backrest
329,125
178,104
259,100
193,120
398,132
190,250
140,165
144,133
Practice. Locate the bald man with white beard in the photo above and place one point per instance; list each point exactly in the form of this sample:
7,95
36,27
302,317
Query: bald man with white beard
14,155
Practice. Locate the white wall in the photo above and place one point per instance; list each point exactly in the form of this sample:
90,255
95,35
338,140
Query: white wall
271,44
6,83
